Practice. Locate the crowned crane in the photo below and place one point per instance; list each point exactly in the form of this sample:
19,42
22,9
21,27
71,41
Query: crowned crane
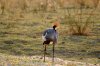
50,35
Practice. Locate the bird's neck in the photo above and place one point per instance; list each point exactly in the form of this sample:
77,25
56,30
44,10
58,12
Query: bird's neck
54,27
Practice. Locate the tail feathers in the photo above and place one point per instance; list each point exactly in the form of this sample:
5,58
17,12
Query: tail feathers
46,42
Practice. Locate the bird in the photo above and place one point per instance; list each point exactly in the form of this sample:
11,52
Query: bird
50,35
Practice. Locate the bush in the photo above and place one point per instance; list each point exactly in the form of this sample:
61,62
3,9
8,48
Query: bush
77,24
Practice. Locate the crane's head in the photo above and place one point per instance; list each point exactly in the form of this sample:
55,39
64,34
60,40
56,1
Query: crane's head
56,24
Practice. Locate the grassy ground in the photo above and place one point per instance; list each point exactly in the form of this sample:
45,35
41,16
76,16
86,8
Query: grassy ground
10,60
21,36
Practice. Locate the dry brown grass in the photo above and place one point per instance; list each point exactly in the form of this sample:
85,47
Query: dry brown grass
13,5
71,64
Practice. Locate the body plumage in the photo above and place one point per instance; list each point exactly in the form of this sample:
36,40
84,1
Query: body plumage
50,35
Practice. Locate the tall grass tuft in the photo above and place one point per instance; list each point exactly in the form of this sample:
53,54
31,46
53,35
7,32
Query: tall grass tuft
79,23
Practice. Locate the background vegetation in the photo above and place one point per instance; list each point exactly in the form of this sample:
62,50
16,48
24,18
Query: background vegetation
23,21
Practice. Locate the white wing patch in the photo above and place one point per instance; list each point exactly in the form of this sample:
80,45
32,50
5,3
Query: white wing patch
43,37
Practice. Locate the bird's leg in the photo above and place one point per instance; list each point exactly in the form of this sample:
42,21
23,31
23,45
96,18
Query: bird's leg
53,52
44,51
